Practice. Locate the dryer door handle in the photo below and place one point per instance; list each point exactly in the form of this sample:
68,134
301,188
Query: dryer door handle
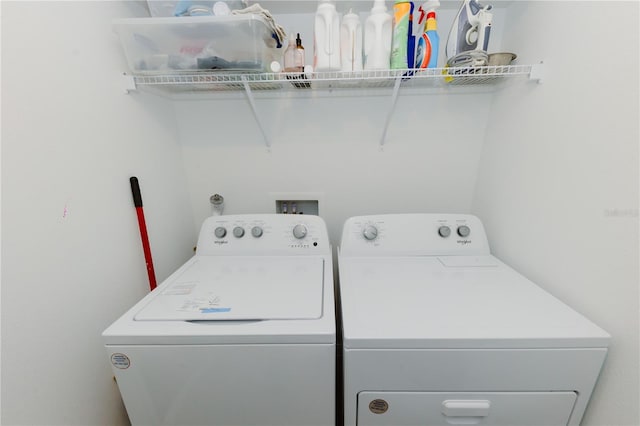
466,408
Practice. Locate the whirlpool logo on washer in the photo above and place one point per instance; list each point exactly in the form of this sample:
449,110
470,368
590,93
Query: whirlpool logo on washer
221,242
464,242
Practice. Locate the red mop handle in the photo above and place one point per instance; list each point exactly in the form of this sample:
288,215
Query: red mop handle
137,201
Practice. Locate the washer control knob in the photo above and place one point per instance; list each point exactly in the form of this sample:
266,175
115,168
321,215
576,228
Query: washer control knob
220,232
370,232
238,232
444,231
256,231
299,231
464,231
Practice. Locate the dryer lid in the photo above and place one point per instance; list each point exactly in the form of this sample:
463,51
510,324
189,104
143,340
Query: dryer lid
431,302
240,288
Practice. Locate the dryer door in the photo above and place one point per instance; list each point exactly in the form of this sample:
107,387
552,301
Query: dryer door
465,408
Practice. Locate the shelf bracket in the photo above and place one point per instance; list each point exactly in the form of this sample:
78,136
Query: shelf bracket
537,72
128,83
252,103
394,99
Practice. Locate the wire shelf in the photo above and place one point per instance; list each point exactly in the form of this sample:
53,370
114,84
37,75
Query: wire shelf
208,81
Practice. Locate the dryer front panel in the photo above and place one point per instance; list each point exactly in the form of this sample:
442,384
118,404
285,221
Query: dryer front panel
465,408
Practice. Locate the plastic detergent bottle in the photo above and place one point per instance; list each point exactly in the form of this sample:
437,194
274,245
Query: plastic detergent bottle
351,42
401,30
378,31
428,44
326,42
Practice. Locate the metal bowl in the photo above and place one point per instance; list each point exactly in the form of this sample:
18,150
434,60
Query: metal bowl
501,58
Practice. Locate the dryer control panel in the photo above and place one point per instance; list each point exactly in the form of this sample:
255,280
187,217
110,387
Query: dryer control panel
263,234
414,235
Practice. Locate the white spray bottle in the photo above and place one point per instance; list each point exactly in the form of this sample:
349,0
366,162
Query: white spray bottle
378,31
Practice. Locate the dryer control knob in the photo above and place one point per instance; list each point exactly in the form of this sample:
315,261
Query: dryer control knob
299,231
220,232
238,232
444,231
370,232
464,231
256,231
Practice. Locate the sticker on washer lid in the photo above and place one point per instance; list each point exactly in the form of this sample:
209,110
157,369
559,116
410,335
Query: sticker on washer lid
378,406
214,310
180,289
200,303
120,361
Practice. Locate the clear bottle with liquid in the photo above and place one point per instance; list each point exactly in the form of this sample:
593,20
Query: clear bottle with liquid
294,55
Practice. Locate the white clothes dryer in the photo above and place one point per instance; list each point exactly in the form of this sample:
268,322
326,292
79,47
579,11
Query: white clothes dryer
242,334
437,331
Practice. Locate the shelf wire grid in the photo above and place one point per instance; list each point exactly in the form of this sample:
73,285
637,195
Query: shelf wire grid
234,81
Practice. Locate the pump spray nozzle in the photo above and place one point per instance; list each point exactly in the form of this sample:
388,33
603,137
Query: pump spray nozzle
423,10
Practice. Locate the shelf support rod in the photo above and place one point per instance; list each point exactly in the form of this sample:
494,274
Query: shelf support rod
252,103
394,99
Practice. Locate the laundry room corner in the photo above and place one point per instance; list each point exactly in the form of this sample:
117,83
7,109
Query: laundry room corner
72,258
461,174
558,179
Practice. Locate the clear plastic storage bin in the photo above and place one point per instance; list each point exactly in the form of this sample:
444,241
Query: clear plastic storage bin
234,43
164,8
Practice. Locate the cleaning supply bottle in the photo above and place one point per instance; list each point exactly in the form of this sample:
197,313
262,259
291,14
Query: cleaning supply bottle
326,42
428,44
402,10
351,42
433,37
378,31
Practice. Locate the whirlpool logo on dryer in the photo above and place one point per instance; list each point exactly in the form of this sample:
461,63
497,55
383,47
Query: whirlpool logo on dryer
464,242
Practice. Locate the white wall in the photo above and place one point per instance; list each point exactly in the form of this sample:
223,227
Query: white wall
329,143
71,140
71,253
558,181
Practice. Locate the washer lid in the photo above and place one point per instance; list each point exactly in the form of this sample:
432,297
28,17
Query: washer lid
240,288
453,302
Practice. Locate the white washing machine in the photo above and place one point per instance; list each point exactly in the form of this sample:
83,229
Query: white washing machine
437,331
241,334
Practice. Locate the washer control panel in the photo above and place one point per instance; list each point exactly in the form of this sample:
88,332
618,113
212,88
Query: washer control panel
414,234
263,234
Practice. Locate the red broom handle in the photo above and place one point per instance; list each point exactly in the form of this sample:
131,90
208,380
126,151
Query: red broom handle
137,201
